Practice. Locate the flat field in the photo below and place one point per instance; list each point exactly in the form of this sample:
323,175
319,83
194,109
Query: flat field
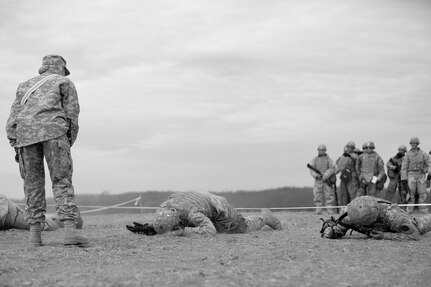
294,256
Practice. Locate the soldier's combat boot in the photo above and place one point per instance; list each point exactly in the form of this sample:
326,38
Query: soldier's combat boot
270,220
35,235
71,236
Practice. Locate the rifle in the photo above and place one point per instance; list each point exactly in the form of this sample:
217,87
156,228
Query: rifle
332,180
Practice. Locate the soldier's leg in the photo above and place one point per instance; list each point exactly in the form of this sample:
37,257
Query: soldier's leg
412,182
59,160
16,217
352,190
33,173
330,198
390,191
423,194
343,195
362,190
318,195
372,191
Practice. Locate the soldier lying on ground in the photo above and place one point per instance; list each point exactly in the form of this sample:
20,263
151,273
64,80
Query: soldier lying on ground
187,213
12,216
377,218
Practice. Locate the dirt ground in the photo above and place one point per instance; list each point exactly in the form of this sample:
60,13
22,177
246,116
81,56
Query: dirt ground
295,256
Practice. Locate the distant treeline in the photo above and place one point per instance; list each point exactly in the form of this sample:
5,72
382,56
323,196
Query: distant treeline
269,198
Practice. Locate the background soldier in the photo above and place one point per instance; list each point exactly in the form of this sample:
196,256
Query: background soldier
188,213
43,123
322,187
394,174
346,164
370,168
414,170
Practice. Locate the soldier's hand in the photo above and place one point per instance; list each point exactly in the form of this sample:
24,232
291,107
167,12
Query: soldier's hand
16,155
318,176
377,234
329,233
324,178
145,228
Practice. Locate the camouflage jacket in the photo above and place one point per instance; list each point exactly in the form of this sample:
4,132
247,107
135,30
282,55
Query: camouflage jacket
414,161
201,212
49,112
369,165
324,164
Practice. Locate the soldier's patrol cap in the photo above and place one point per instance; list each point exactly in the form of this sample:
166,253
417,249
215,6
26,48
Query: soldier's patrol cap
55,60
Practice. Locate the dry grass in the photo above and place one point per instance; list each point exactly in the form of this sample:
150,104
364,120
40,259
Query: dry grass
295,256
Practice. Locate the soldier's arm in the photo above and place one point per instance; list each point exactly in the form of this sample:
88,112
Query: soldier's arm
202,225
404,168
11,121
71,108
426,161
381,166
312,172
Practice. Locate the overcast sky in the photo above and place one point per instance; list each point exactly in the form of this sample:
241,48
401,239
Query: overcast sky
222,95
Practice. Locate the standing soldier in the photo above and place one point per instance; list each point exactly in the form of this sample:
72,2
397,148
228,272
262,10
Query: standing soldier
346,164
370,168
322,169
43,123
394,174
414,170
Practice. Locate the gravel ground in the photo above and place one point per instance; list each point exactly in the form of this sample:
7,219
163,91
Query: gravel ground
294,256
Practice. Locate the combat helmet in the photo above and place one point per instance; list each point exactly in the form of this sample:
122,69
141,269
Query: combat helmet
165,219
402,147
414,140
363,210
351,144
321,147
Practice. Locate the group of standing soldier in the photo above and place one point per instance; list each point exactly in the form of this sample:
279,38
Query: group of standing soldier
363,173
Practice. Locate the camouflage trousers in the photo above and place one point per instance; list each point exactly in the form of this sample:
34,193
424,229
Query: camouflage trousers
367,188
322,189
347,191
31,161
254,222
417,183
394,185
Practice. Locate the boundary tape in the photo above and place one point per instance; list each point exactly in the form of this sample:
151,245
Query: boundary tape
136,201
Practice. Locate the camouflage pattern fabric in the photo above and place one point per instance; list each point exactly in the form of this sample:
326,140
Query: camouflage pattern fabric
206,214
322,190
414,169
57,155
348,189
392,221
367,166
12,217
49,112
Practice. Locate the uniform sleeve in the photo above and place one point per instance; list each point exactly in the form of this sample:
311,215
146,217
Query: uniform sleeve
202,224
404,166
381,166
313,164
71,108
11,121
426,163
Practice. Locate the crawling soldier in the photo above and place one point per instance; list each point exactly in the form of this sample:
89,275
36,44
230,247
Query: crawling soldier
187,213
377,218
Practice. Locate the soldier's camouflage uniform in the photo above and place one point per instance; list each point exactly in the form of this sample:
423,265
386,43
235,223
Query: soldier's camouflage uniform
348,188
321,188
414,169
394,165
206,213
392,221
12,217
46,126
367,166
